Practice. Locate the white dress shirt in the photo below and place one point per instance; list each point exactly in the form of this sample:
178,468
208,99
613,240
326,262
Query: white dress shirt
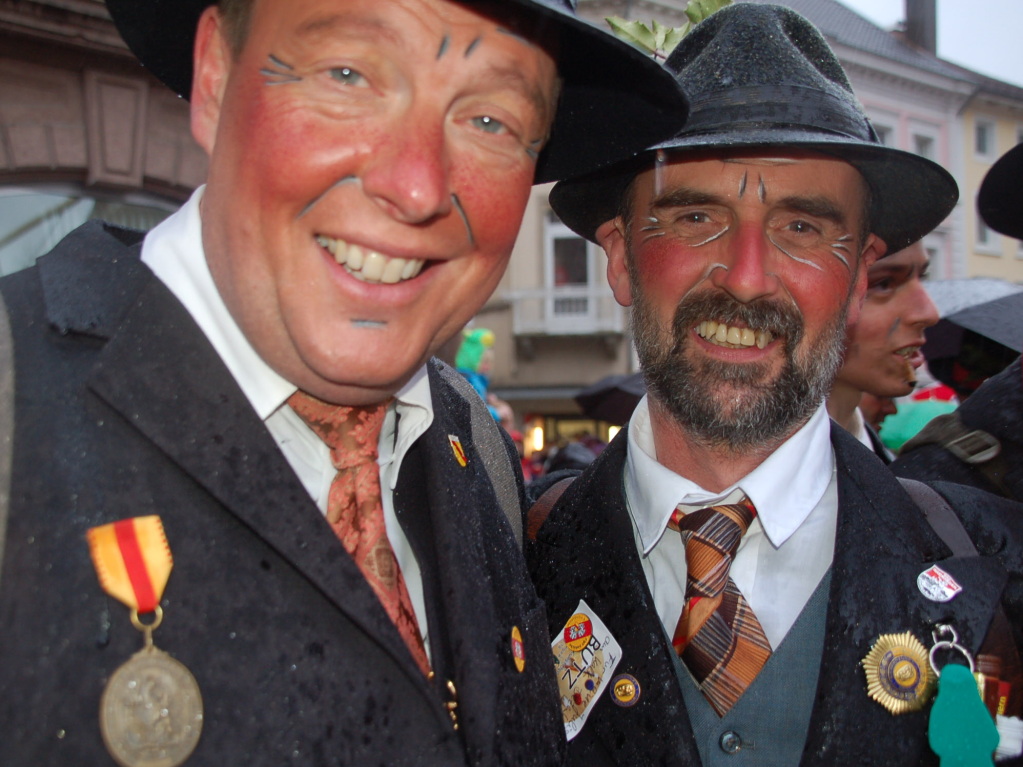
859,429
788,547
174,251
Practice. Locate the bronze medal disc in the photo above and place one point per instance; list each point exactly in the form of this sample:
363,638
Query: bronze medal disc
150,714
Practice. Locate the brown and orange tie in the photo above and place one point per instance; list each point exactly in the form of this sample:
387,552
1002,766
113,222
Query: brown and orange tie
354,508
718,637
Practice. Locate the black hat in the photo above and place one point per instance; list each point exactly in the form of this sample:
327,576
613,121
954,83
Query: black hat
615,100
763,76
1000,199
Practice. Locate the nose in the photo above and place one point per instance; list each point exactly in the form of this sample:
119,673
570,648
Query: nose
921,310
745,276
408,174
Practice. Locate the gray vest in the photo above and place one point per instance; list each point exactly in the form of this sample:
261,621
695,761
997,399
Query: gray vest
769,723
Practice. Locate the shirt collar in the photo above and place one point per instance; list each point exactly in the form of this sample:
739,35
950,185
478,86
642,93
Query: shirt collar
785,488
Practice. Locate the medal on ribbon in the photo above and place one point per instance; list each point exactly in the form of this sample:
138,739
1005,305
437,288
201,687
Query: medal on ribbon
151,710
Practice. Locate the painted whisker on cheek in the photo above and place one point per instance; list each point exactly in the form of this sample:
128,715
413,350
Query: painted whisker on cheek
465,219
534,147
818,267
839,246
472,46
742,184
761,190
345,180
280,73
711,238
443,46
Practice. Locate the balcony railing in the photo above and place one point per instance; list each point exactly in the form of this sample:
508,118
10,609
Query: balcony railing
565,311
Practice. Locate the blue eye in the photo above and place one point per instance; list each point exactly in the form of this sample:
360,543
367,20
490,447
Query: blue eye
489,124
347,76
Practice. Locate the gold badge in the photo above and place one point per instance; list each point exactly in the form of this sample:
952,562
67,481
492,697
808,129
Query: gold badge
626,690
899,674
518,649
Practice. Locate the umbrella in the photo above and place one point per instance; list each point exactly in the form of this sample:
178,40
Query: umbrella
952,295
1000,320
612,398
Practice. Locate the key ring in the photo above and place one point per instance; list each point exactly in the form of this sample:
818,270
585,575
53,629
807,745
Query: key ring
941,631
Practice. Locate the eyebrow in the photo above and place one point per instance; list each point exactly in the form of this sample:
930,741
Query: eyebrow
819,207
683,196
503,75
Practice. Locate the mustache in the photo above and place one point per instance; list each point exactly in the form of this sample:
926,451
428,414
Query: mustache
782,319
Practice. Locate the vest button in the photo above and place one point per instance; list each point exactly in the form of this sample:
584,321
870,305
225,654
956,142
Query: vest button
730,742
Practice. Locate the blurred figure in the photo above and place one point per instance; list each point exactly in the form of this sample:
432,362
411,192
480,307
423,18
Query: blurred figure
980,444
883,352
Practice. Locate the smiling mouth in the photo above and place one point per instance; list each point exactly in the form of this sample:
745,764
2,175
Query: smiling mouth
731,337
368,265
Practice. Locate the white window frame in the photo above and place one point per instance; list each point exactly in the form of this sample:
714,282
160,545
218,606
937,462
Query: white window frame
989,125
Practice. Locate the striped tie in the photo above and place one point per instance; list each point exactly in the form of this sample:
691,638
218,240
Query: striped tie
718,637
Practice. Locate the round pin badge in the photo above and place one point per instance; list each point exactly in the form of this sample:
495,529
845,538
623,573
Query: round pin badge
899,674
518,649
626,690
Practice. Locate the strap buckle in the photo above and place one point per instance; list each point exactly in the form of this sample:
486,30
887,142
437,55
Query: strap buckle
974,447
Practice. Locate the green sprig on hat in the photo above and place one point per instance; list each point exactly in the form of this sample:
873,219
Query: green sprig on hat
658,39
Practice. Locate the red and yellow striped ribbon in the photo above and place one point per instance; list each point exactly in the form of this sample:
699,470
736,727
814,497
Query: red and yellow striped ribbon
132,560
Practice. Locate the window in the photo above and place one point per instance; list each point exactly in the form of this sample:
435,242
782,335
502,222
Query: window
33,221
986,239
984,139
923,146
570,270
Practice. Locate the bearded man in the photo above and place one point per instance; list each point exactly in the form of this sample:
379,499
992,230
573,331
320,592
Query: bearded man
721,582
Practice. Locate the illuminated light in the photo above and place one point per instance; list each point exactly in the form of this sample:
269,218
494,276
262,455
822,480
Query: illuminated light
537,438
612,431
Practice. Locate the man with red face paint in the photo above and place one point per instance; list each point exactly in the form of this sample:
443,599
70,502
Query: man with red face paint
369,165
883,352
729,581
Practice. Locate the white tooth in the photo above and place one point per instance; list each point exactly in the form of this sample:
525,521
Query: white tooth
412,267
721,334
748,337
355,258
710,330
734,336
761,338
340,250
393,271
322,241
373,266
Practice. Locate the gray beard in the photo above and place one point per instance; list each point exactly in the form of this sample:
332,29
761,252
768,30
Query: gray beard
735,406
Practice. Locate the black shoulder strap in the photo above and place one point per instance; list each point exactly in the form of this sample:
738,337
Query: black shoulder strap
541,509
974,447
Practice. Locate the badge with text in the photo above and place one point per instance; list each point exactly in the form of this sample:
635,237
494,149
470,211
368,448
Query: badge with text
585,656
937,585
151,710
899,673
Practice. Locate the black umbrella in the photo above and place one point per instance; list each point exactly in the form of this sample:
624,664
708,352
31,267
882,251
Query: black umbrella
612,398
1000,320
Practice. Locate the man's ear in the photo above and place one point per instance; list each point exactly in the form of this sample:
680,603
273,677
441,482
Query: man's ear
873,249
211,64
613,238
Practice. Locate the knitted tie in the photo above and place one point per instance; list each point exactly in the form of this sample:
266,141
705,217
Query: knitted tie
718,636
354,509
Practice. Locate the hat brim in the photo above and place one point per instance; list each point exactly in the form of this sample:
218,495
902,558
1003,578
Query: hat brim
615,100
910,195
1000,199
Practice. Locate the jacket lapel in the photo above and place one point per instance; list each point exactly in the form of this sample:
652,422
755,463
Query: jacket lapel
594,532
882,545
163,377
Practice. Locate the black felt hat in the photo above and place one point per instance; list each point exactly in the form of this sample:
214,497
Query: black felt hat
615,101
1000,199
763,76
